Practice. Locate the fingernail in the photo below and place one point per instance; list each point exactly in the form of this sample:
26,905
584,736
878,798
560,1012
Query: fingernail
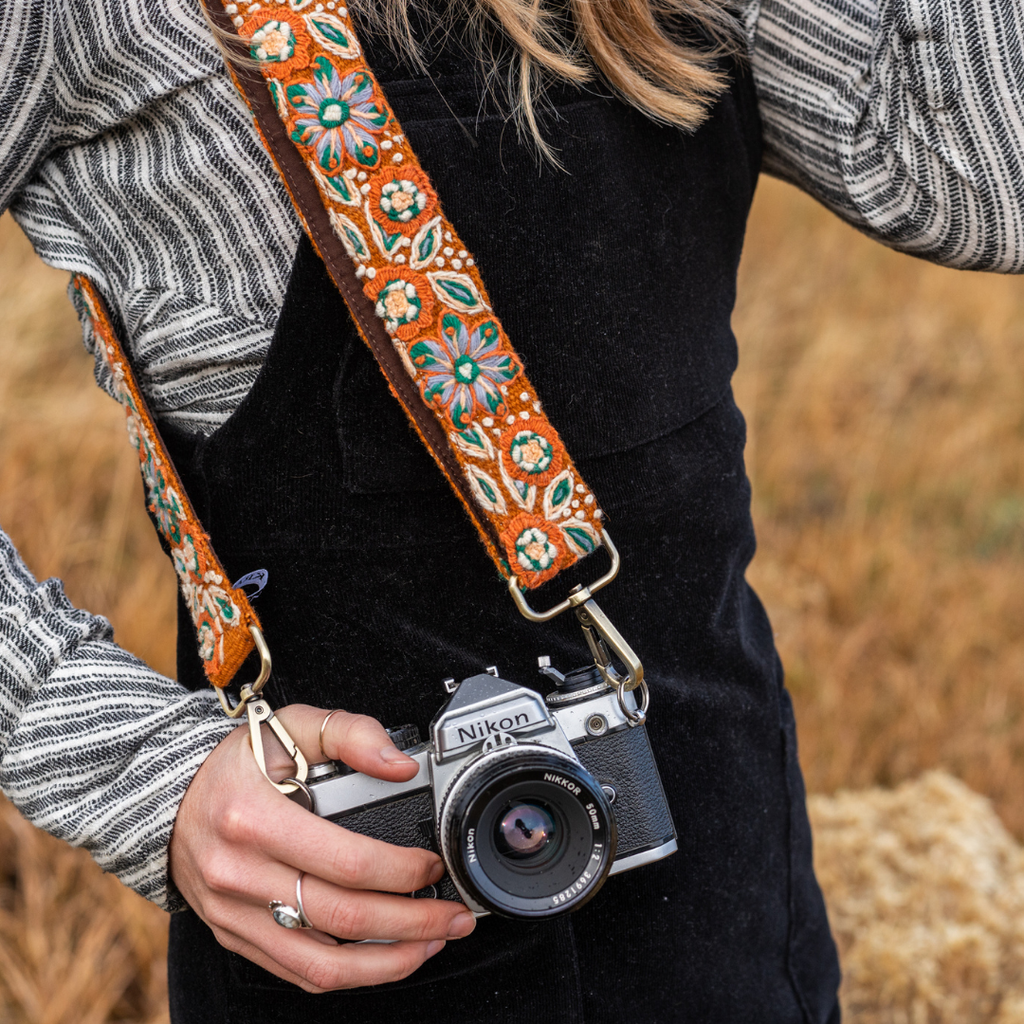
436,873
393,755
435,947
461,925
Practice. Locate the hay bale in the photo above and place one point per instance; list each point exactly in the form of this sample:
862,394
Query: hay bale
925,891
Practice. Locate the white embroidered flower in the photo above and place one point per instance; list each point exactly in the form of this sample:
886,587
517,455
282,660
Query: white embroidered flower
273,41
402,199
534,551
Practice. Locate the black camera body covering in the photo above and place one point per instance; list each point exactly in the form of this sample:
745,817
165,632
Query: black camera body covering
532,802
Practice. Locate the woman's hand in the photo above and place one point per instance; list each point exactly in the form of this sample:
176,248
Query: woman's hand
238,844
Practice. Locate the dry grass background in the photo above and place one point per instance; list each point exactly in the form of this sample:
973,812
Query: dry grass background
885,399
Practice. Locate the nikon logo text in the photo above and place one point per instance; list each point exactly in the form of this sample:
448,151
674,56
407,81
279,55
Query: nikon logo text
565,783
484,727
471,727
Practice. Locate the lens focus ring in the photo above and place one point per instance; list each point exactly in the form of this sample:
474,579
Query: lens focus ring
527,831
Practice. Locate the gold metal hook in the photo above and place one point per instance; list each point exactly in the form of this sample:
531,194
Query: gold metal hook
257,709
603,639
260,711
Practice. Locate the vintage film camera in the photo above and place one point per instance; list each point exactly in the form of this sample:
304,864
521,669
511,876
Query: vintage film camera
532,802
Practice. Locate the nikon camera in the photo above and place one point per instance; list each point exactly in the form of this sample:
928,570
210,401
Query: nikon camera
531,802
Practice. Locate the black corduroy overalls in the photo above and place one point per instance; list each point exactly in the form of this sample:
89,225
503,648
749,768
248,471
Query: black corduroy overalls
615,281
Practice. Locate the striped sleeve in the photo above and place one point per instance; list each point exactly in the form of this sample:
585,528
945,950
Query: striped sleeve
26,93
95,747
905,117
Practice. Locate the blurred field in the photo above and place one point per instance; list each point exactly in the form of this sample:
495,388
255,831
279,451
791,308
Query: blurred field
885,399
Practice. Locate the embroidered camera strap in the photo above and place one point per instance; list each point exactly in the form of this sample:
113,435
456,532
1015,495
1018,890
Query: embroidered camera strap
417,298
410,283
225,623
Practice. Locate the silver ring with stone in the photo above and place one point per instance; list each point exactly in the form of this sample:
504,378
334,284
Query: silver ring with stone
290,917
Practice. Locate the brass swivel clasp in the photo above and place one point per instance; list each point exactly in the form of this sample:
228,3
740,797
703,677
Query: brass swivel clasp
254,705
603,639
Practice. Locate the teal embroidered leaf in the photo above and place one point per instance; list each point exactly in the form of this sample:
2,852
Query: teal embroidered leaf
580,538
561,492
558,494
486,491
457,290
385,242
357,242
351,237
426,244
339,188
473,443
330,30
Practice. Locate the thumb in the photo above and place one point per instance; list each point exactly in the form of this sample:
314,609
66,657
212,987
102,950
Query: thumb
358,740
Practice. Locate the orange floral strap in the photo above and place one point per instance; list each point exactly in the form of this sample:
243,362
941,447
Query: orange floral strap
222,616
411,284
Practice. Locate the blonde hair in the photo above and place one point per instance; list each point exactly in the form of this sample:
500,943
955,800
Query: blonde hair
637,46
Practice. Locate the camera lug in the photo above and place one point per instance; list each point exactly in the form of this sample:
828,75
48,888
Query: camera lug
449,684
544,666
491,670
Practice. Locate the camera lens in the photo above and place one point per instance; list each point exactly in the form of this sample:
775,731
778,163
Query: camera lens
527,831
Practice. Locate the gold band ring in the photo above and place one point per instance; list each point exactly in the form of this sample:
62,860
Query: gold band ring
323,725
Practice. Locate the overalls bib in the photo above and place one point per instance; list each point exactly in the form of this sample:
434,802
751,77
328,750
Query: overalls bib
615,282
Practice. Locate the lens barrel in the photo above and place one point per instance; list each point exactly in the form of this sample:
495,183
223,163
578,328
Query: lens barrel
527,832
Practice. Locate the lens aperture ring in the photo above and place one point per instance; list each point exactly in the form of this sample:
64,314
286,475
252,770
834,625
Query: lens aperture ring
527,832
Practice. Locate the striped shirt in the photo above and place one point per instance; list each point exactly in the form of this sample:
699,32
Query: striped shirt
126,154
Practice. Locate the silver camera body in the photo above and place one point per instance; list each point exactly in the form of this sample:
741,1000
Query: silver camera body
532,802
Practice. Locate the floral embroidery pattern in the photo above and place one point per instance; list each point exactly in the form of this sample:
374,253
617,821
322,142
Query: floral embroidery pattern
536,547
402,299
217,611
273,40
535,455
279,43
465,369
338,116
425,287
402,201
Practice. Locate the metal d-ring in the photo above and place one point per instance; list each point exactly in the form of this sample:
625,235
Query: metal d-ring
637,717
603,639
578,596
249,690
